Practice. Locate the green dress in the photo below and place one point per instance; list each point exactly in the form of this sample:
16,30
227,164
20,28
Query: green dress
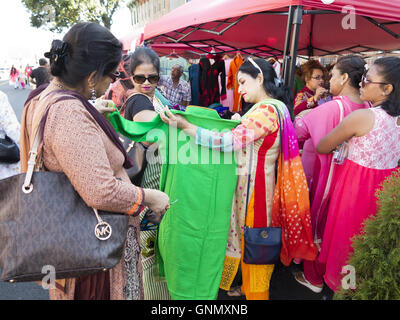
192,236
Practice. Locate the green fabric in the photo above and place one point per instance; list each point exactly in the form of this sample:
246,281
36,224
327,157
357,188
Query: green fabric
193,234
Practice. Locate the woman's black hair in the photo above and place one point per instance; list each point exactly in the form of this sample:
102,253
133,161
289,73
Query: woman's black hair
85,48
279,92
354,66
144,55
389,69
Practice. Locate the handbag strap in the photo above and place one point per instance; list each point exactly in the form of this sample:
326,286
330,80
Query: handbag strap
27,186
251,163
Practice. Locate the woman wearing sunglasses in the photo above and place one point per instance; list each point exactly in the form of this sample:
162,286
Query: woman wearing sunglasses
143,105
344,86
373,137
144,70
78,141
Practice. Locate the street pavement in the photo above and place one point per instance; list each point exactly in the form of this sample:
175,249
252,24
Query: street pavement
282,287
16,97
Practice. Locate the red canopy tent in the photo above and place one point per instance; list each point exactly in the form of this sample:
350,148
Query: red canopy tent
275,27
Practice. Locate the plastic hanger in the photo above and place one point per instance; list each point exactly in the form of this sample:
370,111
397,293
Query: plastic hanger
173,54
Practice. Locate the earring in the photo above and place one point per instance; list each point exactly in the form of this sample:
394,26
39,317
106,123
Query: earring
93,97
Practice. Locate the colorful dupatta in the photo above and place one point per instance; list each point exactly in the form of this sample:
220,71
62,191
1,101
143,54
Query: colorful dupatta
291,205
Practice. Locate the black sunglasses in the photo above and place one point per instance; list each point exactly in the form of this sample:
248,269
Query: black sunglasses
114,76
141,78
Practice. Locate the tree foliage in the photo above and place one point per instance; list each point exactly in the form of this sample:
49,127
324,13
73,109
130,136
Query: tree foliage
56,15
376,256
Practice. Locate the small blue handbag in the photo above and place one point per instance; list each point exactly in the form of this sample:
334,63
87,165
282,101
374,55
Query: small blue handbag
261,245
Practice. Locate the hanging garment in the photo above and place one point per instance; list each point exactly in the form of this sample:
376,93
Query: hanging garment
194,83
233,82
193,234
208,79
228,101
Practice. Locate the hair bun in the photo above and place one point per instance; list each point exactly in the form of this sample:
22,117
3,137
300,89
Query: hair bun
58,55
59,50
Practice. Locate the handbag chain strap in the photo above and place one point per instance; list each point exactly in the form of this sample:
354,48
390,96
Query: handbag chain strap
251,165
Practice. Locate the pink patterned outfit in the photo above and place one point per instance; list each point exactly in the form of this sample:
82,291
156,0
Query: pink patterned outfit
371,159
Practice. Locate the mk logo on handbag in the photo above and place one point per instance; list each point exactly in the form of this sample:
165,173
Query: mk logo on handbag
103,231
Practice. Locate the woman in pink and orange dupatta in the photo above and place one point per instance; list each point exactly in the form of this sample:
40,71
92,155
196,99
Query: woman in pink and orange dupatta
344,84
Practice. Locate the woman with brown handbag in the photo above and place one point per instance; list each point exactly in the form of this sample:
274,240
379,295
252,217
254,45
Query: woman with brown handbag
78,141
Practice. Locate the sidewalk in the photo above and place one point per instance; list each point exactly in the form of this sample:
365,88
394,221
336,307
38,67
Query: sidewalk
284,287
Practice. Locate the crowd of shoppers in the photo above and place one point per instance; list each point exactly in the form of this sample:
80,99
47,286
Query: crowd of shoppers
314,177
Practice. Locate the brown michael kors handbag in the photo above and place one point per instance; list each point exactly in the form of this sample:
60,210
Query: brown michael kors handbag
44,221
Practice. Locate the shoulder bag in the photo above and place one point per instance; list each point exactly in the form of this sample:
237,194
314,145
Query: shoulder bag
261,245
44,222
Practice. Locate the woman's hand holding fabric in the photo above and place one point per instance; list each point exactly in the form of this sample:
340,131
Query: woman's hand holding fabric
104,106
174,120
178,121
157,201
236,116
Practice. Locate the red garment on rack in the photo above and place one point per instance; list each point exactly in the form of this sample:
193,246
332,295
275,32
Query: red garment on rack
208,80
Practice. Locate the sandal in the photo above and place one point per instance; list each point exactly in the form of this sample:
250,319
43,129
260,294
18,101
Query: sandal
235,292
299,277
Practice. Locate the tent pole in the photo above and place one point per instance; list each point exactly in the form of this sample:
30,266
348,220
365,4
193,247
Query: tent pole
286,57
297,21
